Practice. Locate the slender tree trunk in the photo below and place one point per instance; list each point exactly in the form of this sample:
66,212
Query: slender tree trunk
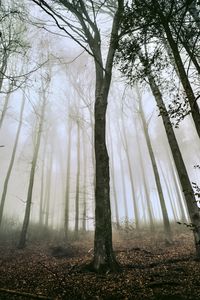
5,106
136,213
169,193
67,188
77,182
3,68
179,163
147,197
167,227
122,176
182,73
84,182
41,209
48,190
178,191
188,48
22,240
113,179
123,186
6,182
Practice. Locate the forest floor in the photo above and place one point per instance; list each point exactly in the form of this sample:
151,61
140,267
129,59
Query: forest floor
150,270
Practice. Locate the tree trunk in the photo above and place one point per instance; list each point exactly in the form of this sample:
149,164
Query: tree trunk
146,192
122,176
6,182
104,258
167,228
48,190
3,68
136,213
179,163
41,209
76,228
5,106
84,182
182,73
22,240
67,188
169,193
113,179
179,194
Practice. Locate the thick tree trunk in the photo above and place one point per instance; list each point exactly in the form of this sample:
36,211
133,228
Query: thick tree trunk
22,240
6,182
104,258
167,227
180,166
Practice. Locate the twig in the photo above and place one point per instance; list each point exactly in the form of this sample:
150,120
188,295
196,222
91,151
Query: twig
14,292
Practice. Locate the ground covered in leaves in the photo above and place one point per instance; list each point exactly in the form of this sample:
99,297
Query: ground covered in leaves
54,270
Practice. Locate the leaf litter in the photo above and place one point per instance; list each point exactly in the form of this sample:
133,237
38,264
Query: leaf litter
150,270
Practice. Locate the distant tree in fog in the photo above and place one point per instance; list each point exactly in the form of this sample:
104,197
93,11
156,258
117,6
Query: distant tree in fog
36,147
10,167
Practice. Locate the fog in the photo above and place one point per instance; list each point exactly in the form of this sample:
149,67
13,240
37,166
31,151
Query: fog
65,80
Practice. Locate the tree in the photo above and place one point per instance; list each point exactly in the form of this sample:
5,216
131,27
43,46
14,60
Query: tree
167,227
163,22
39,128
86,15
9,172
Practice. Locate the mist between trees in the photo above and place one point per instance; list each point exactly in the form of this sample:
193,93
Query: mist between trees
99,123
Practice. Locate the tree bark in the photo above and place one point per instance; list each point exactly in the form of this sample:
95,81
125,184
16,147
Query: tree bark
167,227
181,70
179,163
104,258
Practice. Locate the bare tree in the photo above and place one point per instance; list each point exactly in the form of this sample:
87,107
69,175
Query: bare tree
9,172
85,14
167,227
39,128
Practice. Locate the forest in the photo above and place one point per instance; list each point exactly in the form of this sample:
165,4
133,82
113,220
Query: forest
99,149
